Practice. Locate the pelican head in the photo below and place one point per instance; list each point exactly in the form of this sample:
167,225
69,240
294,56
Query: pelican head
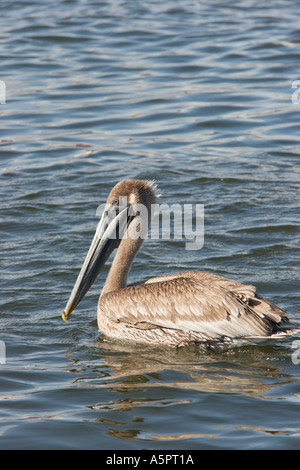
122,220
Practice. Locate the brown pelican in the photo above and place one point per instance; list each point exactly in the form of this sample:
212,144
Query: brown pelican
184,308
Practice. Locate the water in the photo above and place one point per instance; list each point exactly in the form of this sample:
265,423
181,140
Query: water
197,95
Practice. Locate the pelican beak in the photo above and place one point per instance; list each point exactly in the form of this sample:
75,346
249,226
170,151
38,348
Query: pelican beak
110,230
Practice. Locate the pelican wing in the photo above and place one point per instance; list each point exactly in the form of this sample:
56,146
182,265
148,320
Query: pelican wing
191,301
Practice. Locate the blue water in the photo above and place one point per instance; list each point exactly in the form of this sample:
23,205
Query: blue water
194,94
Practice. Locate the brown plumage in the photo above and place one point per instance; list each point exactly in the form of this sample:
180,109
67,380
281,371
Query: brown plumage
179,309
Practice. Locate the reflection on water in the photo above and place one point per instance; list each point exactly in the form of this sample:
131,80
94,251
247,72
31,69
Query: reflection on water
171,383
247,370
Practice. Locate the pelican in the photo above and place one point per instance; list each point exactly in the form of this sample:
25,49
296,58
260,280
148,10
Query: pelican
189,307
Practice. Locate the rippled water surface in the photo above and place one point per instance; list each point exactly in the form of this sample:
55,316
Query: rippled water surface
194,94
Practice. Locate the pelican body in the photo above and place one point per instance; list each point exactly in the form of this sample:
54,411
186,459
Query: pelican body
189,307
